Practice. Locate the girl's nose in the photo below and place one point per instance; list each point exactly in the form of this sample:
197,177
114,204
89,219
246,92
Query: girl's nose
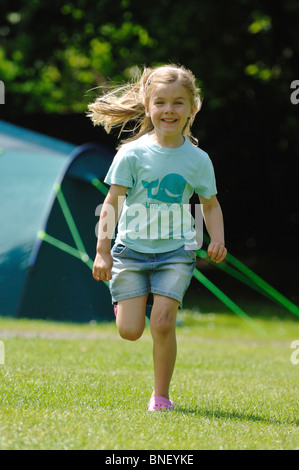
169,108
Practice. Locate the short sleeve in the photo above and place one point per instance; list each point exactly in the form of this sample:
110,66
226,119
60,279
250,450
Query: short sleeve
120,171
205,184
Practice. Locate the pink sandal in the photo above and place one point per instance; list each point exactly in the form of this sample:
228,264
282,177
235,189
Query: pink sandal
160,404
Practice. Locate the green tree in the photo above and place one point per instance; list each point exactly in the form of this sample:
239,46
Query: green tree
52,53
245,54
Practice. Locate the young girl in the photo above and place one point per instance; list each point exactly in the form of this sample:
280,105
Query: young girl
152,178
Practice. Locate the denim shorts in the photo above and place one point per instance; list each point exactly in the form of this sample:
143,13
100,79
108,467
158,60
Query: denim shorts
135,273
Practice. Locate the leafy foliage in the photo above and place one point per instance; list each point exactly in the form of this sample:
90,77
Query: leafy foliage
52,52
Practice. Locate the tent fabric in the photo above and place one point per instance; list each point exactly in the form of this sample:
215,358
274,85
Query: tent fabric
40,279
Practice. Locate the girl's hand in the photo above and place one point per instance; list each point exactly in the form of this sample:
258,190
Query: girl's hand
217,251
102,267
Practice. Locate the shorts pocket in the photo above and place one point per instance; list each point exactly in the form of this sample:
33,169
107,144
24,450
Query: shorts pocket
191,254
118,249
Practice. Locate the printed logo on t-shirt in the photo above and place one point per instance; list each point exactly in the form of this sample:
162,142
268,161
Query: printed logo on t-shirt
170,189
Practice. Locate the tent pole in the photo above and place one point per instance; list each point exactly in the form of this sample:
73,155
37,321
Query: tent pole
227,301
261,285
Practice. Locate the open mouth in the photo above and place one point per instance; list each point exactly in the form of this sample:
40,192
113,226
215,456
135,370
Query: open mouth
169,121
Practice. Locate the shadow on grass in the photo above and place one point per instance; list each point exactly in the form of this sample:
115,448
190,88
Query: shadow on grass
232,415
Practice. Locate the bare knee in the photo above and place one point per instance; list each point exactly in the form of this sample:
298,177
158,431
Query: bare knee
130,319
130,333
163,323
163,316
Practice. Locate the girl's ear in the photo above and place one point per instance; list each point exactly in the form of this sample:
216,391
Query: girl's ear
193,112
146,110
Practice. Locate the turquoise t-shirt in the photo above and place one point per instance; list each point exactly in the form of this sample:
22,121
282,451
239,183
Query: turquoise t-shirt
156,216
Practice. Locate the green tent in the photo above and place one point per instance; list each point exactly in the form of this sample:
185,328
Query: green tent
49,192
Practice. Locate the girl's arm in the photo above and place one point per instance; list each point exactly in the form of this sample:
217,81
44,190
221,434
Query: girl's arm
109,215
213,218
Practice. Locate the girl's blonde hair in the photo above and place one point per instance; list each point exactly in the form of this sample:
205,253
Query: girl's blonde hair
124,104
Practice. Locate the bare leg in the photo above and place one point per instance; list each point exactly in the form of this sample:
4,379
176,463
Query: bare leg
163,324
130,319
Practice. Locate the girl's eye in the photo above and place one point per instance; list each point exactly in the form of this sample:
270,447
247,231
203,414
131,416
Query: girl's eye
161,102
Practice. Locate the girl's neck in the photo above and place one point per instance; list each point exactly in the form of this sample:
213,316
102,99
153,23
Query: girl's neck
167,141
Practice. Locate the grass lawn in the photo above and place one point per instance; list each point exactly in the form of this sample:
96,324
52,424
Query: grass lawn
66,386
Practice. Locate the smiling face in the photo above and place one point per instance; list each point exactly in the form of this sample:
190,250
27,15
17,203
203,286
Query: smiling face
169,108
